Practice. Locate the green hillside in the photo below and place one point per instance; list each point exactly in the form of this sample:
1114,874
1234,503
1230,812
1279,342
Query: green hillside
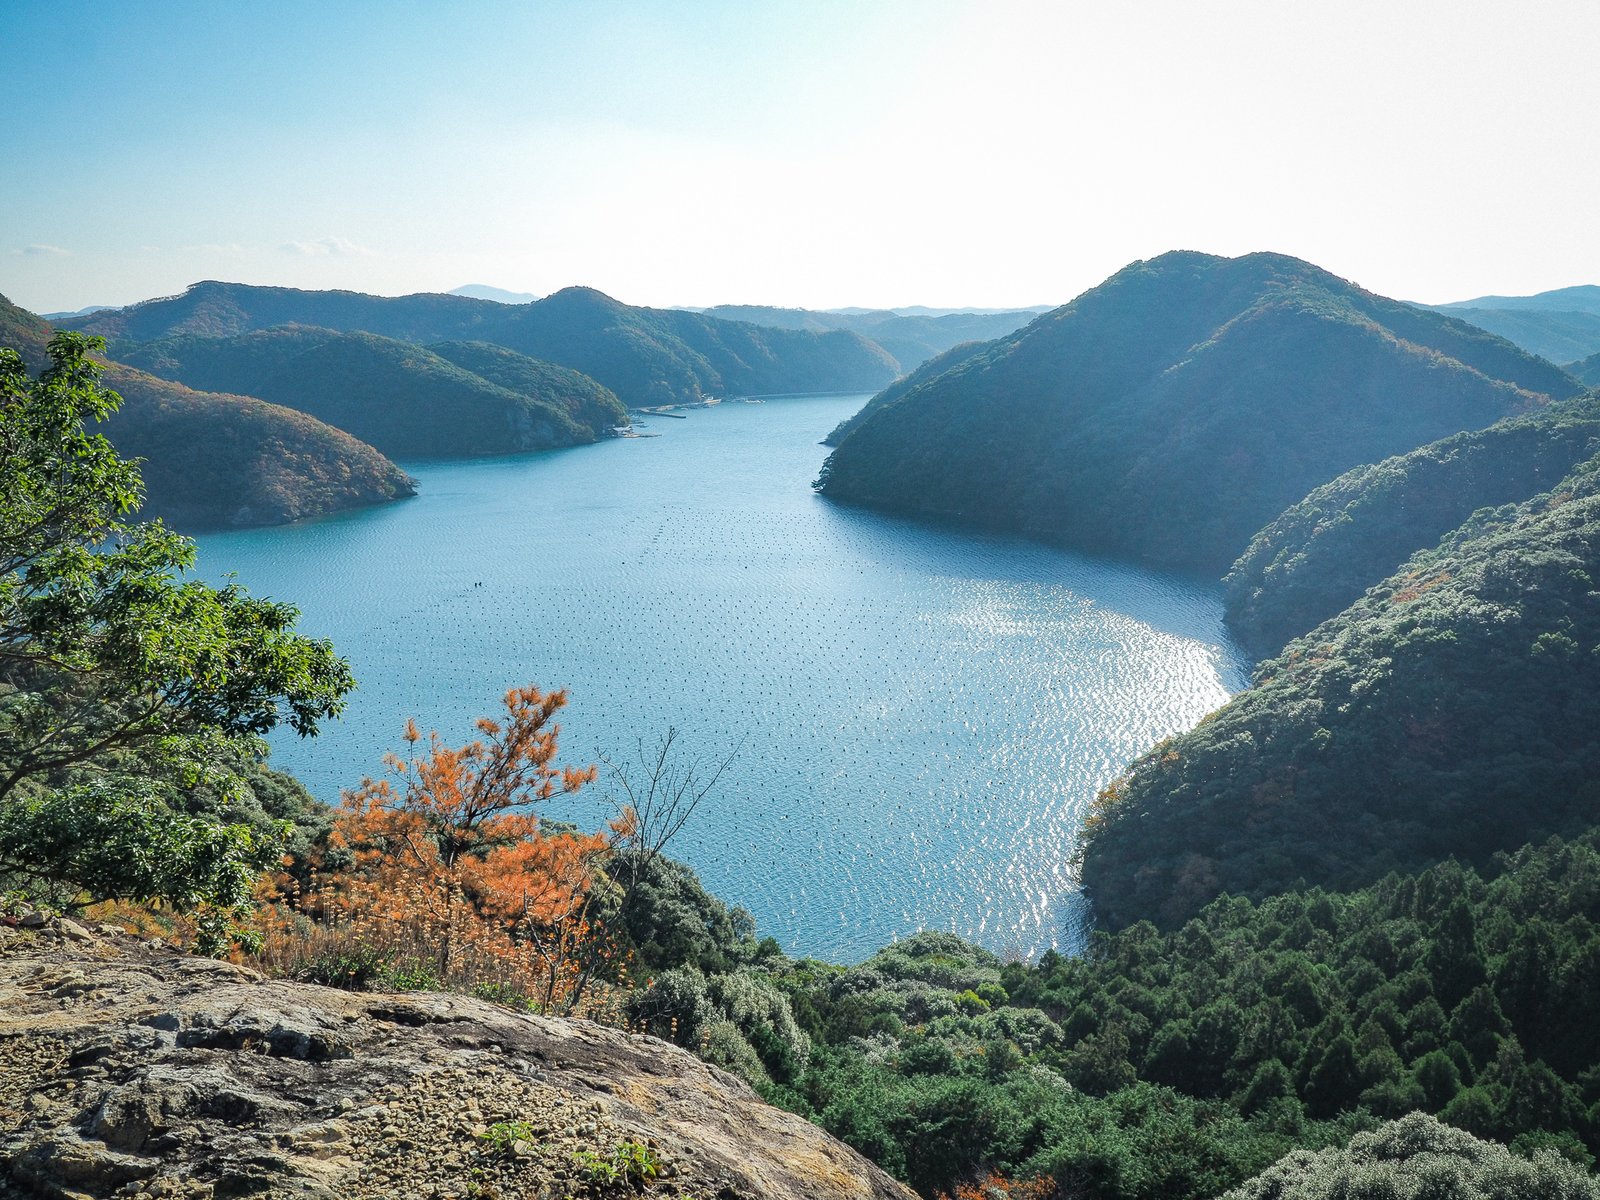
215,461
1171,1065
1321,554
402,398
588,404
1451,710
654,356
1170,413
1557,335
646,356
215,309
912,339
1587,371
225,461
932,369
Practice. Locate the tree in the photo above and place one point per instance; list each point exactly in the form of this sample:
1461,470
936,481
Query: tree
121,682
449,859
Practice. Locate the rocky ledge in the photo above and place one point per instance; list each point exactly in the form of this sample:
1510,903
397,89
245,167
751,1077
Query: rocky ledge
128,1069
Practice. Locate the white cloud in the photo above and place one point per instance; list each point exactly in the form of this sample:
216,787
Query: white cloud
335,247
43,252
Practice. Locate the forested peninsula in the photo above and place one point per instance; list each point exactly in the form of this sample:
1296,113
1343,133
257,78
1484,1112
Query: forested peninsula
223,461
645,356
1171,412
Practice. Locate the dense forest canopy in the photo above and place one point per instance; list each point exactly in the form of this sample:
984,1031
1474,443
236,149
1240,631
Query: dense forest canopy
1171,412
646,356
1321,554
1416,724
402,398
225,460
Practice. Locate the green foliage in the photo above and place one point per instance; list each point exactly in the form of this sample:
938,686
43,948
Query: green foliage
1417,1158
1181,1063
1450,710
96,841
632,1164
1248,381
672,921
401,398
124,689
1321,554
501,1136
646,356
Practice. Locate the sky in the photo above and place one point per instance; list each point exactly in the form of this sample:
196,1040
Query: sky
813,153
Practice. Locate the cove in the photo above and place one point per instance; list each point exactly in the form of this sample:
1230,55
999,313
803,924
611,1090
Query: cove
922,714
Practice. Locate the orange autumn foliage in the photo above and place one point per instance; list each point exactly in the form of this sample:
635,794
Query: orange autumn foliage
445,861
998,1187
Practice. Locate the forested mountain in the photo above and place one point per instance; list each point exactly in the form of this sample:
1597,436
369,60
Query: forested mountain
646,356
1587,371
1585,297
1553,334
932,369
1173,411
234,461
1449,711
1321,554
402,398
1158,1066
217,460
1562,324
214,309
912,339
660,356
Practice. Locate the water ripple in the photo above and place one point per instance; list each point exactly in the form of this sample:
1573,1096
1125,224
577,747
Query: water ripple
925,714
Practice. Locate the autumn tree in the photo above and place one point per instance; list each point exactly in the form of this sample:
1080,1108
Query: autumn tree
449,847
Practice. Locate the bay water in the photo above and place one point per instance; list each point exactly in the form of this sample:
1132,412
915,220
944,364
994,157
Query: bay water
918,716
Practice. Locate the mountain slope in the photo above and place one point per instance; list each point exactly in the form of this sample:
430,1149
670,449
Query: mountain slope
1176,409
647,356
1449,711
660,356
400,397
1585,297
1587,371
1557,335
1321,554
214,309
913,339
215,460
936,366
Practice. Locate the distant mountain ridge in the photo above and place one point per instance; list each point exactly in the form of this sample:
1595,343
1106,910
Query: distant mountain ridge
405,399
646,356
912,335
482,291
1174,410
1584,297
1562,324
225,461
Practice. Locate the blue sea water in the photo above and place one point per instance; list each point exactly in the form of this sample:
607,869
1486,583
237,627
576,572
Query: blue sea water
921,715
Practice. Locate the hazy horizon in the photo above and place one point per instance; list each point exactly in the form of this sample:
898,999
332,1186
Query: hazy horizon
940,153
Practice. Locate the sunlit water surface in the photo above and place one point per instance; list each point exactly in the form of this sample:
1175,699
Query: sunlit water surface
922,715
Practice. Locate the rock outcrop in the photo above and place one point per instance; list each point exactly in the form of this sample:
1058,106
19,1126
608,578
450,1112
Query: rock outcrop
128,1069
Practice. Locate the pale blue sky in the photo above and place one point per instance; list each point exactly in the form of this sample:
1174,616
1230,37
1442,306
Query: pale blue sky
819,153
